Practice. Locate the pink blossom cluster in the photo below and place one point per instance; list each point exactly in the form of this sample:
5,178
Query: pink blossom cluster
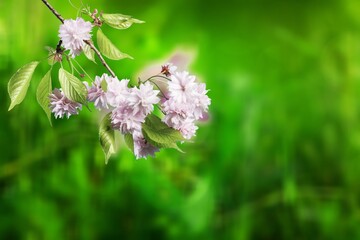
129,107
186,102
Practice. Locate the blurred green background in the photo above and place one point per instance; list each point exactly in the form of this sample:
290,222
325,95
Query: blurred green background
279,158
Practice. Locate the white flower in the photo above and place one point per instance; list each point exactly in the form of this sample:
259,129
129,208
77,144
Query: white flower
185,125
117,92
142,148
124,119
73,33
182,87
96,94
188,128
142,99
201,101
183,109
60,105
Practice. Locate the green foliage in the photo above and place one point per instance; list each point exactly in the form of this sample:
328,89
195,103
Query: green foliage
19,83
73,88
43,94
89,53
119,21
107,137
278,159
108,48
159,134
51,55
129,141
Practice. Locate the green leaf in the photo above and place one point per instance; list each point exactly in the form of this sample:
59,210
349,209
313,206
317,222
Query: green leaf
89,53
104,85
155,122
107,137
73,88
129,141
19,83
43,94
51,55
159,134
108,48
119,21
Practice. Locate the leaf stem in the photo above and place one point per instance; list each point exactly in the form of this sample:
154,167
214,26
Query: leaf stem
91,45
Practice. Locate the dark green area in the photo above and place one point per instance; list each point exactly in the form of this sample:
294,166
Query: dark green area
279,158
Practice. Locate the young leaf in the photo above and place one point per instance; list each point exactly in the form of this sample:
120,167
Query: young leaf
43,93
19,83
107,137
129,141
89,53
104,85
119,21
159,134
51,55
108,48
73,88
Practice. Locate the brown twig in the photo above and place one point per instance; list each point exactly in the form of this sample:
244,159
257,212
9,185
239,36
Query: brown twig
86,41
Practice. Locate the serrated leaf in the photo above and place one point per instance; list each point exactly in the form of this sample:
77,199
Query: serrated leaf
73,88
129,141
43,94
108,48
107,137
19,83
155,122
149,137
119,21
159,134
89,53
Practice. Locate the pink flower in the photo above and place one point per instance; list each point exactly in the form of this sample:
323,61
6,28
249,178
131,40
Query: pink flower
117,92
142,99
124,119
96,94
73,33
142,148
201,101
60,105
182,87
168,69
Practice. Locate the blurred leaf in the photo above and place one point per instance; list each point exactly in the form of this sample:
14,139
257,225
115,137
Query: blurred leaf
119,21
159,134
108,48
43,93
107,137
51,55
19,83
129,141
89,53
73,88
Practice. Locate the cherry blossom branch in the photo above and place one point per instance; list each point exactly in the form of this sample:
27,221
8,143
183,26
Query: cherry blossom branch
91,45
53,11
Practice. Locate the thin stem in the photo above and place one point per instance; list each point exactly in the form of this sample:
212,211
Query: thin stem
157,76
159,89
53,11
82,69
91,45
